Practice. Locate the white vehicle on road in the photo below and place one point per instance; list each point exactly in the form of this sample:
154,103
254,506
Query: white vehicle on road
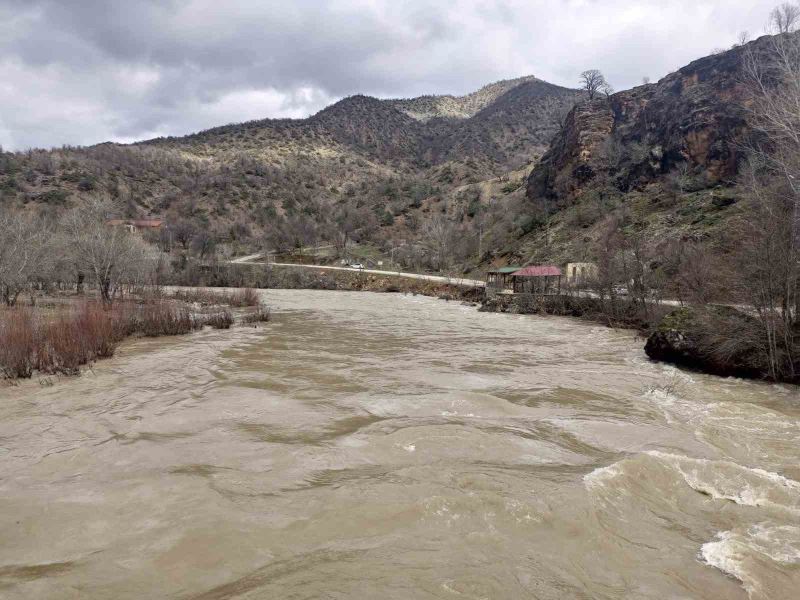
356,266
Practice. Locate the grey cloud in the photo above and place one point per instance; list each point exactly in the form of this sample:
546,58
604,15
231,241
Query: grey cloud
83,71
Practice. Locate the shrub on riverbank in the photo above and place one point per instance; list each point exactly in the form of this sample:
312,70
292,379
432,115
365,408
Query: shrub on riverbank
18,347
68,341
237,299
261,314
243,297
62,342
155,320
219,320
59,344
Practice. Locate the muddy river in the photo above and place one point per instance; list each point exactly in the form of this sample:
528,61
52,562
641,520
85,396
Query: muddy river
398,447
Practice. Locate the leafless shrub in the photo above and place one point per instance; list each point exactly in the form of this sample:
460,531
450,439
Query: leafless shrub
200,296
671,384
245,297
219,320
159,319
236,299
61,343
261,314
18,350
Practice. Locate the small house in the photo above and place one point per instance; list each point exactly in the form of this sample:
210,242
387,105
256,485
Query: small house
540,280
580,273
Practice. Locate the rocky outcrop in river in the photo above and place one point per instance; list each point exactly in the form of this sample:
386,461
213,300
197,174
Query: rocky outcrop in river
695,339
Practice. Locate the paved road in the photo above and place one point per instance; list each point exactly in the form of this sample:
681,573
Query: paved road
437,278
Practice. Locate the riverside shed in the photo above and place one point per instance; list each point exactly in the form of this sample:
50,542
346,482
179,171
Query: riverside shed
500,278
541,280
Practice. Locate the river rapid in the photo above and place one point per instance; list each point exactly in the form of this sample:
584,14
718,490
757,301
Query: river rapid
396,447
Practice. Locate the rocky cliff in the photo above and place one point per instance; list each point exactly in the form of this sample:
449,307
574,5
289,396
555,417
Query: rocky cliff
688,124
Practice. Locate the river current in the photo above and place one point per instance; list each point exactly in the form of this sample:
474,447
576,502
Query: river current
398,447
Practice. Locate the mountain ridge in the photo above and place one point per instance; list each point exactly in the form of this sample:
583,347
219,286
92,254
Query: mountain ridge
363,159
469,105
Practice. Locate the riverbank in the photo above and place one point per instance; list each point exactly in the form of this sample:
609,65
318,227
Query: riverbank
61,335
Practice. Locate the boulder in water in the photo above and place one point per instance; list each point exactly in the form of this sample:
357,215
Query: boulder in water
720,340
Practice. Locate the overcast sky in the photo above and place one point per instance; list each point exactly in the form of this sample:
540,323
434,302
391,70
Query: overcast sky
86,71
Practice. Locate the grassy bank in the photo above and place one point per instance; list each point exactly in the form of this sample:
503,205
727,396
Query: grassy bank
62,340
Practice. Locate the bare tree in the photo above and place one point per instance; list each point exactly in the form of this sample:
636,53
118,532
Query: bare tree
24,254
784,18
766,274
352,223
766,264
774,77
592,82
440,235
743,38
108,255
204,244
183,232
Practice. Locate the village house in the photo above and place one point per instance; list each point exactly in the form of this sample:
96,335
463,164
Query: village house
580,273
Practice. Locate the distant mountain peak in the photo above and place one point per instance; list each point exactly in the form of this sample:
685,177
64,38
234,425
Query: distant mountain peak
429,107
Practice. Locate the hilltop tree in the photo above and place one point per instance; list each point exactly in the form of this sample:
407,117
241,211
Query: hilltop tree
592,82
784,18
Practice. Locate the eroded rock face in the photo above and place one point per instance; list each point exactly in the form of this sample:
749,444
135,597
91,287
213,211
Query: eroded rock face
571,161
692,120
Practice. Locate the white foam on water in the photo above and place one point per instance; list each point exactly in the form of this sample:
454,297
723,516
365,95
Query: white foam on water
725,554
601,475
674,408
718,479
733,551
727,480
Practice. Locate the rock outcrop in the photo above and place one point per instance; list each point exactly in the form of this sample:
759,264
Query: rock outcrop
691,122
689,338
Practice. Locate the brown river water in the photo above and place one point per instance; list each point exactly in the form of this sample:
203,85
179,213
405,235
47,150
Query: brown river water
387,446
